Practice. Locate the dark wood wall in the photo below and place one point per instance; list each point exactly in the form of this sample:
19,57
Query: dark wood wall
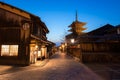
100,47
10,27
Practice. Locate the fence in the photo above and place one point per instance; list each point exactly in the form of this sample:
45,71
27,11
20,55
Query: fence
98,47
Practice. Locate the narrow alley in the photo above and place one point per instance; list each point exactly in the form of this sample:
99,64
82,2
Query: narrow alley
59,67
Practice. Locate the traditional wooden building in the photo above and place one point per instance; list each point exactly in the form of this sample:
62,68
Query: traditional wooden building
22,36
105,38
87,46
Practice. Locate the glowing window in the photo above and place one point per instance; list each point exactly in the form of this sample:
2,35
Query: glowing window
9,50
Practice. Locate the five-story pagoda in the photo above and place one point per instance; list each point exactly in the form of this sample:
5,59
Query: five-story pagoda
77,29
77,26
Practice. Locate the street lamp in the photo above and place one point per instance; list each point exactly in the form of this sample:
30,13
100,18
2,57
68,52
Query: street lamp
36,47
72,40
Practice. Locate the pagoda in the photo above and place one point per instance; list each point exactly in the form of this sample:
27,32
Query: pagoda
77,26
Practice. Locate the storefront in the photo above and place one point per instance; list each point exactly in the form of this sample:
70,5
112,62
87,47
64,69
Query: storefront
21,40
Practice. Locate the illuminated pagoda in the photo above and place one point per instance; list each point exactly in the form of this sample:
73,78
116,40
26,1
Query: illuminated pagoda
76,29
77,26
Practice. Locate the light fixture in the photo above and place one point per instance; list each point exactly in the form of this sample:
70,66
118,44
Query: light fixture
72,40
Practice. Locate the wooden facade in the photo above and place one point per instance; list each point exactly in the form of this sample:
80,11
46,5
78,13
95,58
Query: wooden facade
100,46
103,39
22,36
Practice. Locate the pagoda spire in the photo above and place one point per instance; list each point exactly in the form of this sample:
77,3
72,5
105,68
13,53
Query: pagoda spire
77,26
76,16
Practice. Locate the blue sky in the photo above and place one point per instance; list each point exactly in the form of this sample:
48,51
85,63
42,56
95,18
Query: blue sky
59,14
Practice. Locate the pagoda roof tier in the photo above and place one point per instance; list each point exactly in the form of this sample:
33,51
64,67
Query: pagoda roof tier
77,23
81,29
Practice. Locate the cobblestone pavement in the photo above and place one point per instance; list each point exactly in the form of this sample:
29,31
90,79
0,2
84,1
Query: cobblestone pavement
59,67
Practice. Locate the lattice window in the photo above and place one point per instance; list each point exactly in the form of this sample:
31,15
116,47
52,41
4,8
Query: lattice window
9,50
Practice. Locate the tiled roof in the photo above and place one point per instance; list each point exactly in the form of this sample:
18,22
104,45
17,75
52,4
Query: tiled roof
102,30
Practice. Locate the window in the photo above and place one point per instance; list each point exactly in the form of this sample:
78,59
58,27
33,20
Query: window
9,50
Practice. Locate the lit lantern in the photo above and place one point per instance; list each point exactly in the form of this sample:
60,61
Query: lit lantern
72,40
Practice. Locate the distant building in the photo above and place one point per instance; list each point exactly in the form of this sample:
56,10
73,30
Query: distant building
22,36
77,26
76,29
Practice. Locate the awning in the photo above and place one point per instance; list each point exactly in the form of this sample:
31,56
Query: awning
37,38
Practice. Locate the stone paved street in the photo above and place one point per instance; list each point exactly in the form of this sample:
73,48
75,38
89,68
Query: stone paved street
107,71
59,67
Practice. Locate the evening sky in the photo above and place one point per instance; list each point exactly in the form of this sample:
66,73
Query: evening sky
59,14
